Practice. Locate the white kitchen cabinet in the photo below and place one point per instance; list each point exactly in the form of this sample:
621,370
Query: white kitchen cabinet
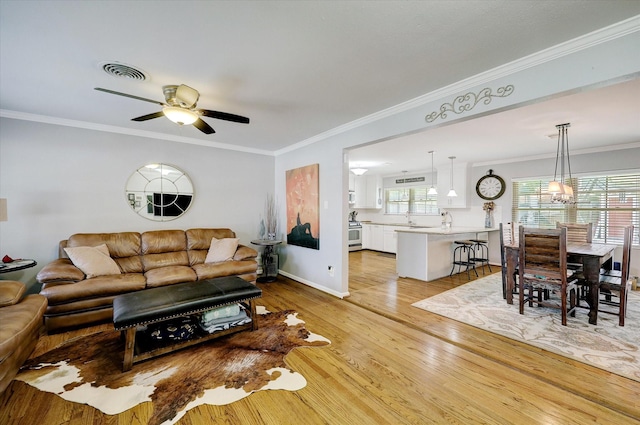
366,236
377,237
368,191
389,242
352,181
461,175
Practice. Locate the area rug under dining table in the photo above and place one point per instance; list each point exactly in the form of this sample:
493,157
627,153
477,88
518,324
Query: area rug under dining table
607,346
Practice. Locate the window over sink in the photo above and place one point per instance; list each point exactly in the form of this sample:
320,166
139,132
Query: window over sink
412,199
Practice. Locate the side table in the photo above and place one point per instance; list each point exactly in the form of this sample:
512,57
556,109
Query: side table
269,260
16,265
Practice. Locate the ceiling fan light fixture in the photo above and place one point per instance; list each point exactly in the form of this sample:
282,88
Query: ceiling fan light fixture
179,115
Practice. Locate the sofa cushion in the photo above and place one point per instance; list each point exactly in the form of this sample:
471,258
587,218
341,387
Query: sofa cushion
222,250
169,275
161,241
121,245
167,259
10,292
200,239
93,261
164,248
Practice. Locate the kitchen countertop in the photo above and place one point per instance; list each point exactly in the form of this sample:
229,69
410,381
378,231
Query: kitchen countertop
417,226
452,231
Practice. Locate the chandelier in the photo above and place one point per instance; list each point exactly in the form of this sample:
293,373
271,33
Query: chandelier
560,191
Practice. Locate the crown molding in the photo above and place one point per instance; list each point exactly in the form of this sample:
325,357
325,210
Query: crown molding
5,113
574,153
603,35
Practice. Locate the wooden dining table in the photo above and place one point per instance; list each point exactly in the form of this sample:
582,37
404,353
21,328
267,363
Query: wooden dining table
593,257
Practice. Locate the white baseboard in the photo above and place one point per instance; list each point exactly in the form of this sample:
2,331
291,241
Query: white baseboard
314,285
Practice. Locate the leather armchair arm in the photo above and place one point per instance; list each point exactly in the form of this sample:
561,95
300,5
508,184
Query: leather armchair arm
60,269
10,292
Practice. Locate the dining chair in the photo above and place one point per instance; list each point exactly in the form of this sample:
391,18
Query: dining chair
580,233
577,232
615,284
543,269
508,236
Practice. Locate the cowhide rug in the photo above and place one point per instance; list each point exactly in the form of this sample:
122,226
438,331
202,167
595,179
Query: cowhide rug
89,369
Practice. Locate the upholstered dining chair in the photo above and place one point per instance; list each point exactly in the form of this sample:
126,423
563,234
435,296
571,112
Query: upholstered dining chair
615,284
508,236
543,268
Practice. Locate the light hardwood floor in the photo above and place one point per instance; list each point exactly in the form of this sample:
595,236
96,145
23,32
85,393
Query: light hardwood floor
388,363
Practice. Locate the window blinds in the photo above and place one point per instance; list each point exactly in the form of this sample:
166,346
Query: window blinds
609,202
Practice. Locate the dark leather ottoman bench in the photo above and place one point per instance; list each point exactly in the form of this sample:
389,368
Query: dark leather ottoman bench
183,299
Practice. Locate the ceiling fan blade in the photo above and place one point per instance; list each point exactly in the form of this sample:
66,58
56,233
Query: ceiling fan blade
225,116
203,126
129,95
149,116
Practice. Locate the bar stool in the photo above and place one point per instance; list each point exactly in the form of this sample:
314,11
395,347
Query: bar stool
462,257
481,253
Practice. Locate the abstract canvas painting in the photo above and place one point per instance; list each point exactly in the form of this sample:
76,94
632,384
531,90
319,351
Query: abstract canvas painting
303,206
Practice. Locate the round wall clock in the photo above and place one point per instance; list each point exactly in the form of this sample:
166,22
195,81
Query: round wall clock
490,187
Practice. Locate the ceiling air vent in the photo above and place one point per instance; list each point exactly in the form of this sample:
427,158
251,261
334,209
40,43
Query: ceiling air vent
122,70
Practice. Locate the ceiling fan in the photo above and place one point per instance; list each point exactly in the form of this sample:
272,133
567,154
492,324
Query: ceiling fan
180,107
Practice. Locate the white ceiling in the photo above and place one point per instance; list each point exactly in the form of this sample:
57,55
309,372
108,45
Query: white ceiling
298,68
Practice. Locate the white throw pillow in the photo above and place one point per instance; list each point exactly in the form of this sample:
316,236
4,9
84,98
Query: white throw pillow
93,260
222,250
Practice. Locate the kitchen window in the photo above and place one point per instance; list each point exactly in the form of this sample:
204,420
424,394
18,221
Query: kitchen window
412,199
609,202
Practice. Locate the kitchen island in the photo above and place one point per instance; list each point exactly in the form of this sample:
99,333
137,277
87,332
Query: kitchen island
426,254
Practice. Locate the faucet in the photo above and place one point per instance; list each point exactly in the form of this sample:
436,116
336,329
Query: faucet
408,215
446,224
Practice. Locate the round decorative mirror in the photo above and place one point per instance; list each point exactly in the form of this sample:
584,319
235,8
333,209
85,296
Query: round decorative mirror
159,192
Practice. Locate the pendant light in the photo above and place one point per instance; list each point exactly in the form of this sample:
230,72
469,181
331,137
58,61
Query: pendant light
405,190
560,191
432,189
452,193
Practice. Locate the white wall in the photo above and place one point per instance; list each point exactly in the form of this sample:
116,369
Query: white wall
570,68
62,180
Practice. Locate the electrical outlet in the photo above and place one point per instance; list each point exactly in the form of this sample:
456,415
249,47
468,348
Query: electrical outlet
331,271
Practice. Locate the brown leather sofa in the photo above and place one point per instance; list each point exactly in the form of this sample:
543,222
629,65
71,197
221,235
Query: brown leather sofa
146,260
20,327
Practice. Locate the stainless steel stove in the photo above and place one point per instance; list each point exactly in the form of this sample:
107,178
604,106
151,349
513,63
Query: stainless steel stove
355,236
